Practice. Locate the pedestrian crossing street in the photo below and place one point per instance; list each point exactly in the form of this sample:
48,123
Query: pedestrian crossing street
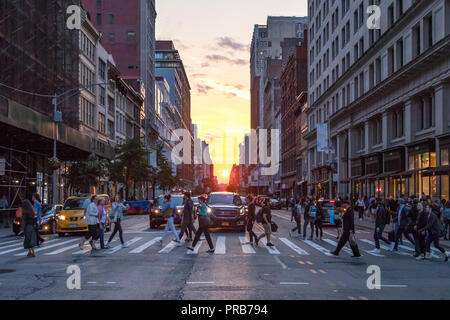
224,245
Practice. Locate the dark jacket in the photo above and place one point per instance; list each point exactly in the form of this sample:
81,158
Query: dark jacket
422,220
188,211
433,226
348,220
380,219
266,211
403,216
306,214
251,215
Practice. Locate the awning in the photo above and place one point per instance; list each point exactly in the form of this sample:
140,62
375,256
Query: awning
386,174
438,171
406,174
368,176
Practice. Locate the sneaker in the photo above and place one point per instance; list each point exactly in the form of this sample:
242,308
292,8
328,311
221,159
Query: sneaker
446,258
124,245
420,257
177,244
269,244
256,241
210,251
392,247
159,242
92,243
108,246
334,253
290,233
377,251
81,245
190,248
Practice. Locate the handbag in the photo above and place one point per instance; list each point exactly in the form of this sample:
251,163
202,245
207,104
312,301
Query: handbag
273,227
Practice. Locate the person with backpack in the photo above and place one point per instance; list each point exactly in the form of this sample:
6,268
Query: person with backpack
433,232
309,217
251,218
380,223
265,218
203,226
401,222
91,219
348,233
117,216
447,220
168,210
297,216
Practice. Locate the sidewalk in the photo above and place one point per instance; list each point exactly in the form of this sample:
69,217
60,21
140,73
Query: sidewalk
6,232
368,224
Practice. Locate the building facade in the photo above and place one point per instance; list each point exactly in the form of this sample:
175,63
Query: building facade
384,94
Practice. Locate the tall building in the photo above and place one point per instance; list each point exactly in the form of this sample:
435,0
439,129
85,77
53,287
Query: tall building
265,69
128,32
169,64
294,83
384,95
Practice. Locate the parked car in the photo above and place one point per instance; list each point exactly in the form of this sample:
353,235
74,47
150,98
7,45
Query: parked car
275,204
283,202
138,207
156,216
328,207
49,219
226,210
72,220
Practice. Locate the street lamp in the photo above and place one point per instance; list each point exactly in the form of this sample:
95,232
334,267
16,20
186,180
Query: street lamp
57,117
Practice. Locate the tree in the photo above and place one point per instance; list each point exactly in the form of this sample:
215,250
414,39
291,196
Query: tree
84,174
133,158
161,176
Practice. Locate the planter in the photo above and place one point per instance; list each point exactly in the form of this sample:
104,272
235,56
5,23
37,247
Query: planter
54,163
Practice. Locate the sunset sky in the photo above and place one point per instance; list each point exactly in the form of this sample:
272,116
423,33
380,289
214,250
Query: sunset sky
213,37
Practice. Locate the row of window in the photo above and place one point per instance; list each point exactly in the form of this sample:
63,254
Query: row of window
87,46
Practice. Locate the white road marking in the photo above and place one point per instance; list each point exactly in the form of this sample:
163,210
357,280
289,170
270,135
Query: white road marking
18,241
117,248
384,247
334,243
48,247
294,247
12,245
317,247
145,245
280,262
21,248
294,283
246,248
92,282
220,245
111,282
200,282
197,247
272,250
168,248
394,285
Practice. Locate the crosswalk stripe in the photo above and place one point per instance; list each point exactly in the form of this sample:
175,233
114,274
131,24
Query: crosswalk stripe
21,248
48,247
220,245
88,249
145,245
61,250
272,250
11,241
197,247
294,247
384,247
117,248
12,245
168,248
317,247
334,243
246,248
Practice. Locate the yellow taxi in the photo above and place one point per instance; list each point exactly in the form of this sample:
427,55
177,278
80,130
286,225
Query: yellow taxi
71,218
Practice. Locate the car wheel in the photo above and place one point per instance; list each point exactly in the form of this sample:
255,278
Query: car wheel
53,227
61,234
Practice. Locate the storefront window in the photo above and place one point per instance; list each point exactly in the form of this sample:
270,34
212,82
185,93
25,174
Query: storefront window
445,157
426,185
445,191
434,185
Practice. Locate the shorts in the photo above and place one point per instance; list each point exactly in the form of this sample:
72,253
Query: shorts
267,228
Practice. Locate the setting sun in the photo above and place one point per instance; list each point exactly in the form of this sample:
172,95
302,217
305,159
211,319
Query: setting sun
226,173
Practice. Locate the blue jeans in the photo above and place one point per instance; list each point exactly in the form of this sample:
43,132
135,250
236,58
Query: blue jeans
378,235
170,226
102,234
435,239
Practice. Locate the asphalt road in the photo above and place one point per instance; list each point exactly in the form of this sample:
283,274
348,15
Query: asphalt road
295,269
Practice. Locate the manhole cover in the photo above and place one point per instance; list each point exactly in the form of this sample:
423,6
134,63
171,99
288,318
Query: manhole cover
6,271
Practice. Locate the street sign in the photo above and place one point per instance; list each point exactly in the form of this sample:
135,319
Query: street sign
2,166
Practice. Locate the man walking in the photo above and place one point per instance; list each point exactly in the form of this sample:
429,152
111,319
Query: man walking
380,223
251,217
401,222
309,217
348,233
433,231
297,216
266,222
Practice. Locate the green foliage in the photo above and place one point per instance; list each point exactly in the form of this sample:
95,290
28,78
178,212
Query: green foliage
161,175
84,174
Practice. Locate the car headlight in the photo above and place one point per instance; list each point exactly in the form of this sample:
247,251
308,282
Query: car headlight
62,217
156,211
242,211
178,210
209,210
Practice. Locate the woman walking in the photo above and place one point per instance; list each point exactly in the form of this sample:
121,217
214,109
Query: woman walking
187,224
251,217
29,227
361,206
318,221
169,213
91,219
203,221
117,217
101,221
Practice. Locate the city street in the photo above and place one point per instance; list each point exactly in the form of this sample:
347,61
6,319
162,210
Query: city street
293,269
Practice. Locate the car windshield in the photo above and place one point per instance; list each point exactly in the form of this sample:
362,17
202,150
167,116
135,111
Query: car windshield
176,201
76,204
224,198
195,200
328,205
